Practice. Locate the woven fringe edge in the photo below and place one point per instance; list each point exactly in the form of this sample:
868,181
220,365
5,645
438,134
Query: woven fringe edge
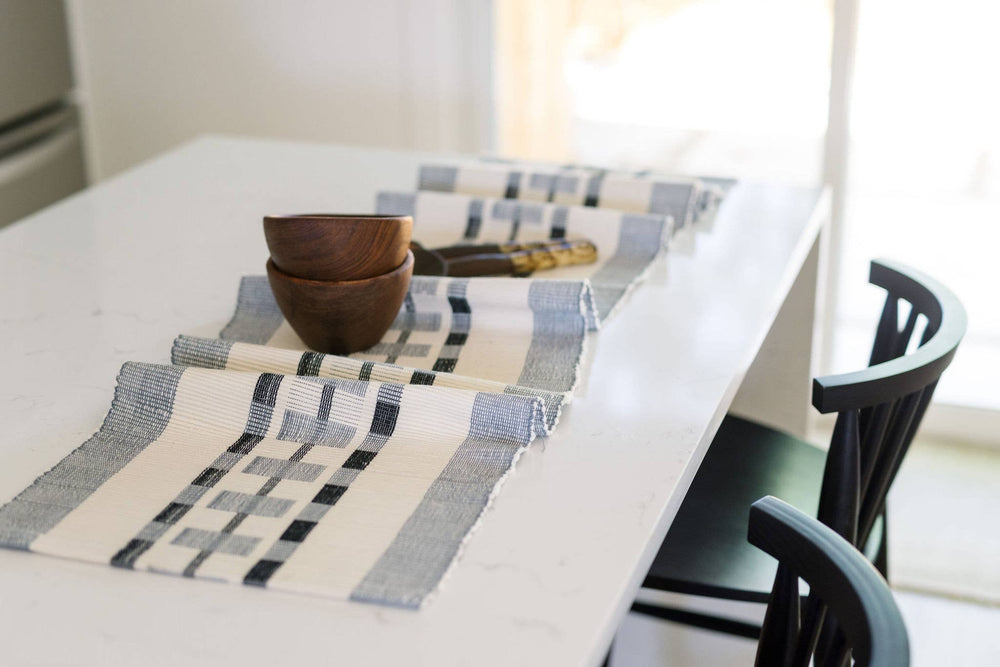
556,417
588,306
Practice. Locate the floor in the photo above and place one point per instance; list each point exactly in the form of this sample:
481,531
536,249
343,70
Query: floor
943,633
944,523
947,579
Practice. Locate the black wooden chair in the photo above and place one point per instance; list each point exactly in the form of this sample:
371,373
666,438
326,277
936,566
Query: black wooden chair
705,552
854,595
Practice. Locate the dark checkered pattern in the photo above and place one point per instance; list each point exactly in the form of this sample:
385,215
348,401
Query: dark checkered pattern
261,407
461,321
320,430
474,219
309,364
558,226
594,188
513,185
382,425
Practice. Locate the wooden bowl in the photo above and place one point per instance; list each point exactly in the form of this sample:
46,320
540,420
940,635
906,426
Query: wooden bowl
340,317
320,246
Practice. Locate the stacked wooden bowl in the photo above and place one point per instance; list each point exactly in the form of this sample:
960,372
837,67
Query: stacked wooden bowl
339,279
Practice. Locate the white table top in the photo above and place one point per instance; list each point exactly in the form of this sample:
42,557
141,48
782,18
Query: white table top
113,274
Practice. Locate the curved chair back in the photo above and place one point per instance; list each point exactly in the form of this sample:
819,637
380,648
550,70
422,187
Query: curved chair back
891,372
881,406
853,592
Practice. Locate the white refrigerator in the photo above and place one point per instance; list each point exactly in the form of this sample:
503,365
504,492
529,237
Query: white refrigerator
41,152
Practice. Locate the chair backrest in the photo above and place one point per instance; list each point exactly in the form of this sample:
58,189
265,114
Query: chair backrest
852,590
880,407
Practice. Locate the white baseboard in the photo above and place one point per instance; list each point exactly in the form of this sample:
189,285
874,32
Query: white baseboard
962,425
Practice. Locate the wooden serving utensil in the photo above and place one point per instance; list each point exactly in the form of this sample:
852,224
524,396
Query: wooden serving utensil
427,262
538,256
462,250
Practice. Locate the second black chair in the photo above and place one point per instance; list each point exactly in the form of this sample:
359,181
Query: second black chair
853,594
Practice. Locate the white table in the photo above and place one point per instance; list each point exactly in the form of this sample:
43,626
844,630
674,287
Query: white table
113,274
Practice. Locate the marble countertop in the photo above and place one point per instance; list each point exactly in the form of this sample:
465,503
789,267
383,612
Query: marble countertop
116,272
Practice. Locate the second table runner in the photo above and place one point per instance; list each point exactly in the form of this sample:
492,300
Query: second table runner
681,197
516,332
233,356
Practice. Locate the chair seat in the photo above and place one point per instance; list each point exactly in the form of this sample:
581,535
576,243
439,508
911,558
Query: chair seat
706,551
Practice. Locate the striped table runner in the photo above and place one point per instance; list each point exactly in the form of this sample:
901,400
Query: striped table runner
234,356
355,490
711,189
683,198
523,332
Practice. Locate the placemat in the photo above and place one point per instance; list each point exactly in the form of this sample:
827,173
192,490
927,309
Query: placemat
680,197
711,189
229,355
357,490
515,332
627,243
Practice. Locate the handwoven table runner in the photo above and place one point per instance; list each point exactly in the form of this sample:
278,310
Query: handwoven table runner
627,243
711,190
359,490
680,197
515,332
229,355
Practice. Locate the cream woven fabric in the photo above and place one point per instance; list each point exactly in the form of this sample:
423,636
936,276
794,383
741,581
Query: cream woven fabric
360,490
227,355
686,199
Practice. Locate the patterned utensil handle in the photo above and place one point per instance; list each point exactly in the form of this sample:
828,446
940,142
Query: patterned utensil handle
554,254
465,250
561,253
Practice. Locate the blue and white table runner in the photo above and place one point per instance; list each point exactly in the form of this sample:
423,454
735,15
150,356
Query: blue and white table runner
356,490
686,199
524,332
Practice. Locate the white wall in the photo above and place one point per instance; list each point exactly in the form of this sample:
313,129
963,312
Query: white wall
393,73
